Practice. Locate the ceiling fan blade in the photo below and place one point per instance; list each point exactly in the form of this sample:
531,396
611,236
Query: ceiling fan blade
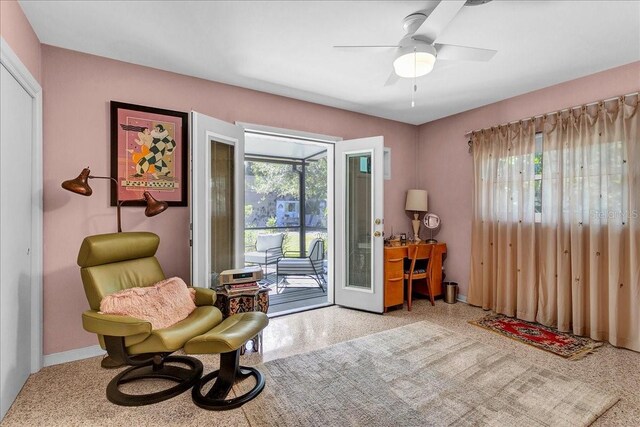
463,53
393,78
367,47
443,65
437,20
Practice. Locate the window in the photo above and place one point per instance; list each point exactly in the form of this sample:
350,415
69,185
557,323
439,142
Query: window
585,183
515,177
582,182
537,173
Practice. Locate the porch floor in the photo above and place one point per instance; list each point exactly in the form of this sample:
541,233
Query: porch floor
299,292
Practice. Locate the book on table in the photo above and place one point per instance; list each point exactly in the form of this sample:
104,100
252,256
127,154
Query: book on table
240,288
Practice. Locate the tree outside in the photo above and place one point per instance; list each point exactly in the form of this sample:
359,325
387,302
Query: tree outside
272,199
271,186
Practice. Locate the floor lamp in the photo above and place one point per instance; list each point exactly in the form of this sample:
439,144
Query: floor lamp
80,185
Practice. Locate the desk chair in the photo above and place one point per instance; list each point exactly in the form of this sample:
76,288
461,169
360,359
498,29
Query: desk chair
420,268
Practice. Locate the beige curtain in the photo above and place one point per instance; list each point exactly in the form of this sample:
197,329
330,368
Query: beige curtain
576,265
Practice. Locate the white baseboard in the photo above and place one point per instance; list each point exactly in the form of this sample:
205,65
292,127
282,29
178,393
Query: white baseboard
462,298
73,355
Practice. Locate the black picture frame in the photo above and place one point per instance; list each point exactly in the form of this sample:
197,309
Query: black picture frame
164,172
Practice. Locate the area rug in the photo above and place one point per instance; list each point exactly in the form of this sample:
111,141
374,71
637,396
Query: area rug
419,375
545,338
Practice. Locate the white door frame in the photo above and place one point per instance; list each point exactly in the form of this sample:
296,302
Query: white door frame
19,71
330,141
204,129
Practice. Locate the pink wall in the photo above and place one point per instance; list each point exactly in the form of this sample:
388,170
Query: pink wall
450,182
78,88
17,32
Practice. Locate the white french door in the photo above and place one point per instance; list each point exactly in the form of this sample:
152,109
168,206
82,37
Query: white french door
359,200
217,198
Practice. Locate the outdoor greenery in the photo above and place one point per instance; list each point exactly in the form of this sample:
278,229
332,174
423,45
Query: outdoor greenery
275,180
537,170
291,241
537,164
273,196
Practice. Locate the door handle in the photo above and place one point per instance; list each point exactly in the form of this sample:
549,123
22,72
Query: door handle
377,234
378,221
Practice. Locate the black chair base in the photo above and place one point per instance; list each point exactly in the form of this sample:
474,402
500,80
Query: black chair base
225,377
185,377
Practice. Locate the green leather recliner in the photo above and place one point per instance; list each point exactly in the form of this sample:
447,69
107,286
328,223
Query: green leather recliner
113,262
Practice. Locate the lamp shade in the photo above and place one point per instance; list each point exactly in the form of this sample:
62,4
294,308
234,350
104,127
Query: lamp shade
154,207
416,201
79,185
415,60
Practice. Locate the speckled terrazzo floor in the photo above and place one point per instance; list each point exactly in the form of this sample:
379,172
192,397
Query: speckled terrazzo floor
74,393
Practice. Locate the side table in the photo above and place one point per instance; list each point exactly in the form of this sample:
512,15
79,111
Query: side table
242,302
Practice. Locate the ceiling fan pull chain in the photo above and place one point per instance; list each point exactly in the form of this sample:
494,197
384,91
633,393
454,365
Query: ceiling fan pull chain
415,69
413,92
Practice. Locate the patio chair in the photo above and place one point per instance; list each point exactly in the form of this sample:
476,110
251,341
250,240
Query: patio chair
267,250
311,265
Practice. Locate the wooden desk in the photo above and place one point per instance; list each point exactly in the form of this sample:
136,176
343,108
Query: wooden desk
394,257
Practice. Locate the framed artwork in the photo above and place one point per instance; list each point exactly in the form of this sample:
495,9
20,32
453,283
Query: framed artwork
149,152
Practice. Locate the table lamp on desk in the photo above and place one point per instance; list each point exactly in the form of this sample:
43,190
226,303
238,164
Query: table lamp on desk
416,203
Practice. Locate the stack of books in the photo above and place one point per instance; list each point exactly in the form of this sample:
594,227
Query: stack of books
241,288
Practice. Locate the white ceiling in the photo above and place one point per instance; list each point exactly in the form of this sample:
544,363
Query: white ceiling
285,47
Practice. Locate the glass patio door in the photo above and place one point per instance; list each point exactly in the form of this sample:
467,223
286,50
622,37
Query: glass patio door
216,198
359,223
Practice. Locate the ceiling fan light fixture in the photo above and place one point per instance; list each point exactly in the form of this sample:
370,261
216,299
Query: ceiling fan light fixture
415,61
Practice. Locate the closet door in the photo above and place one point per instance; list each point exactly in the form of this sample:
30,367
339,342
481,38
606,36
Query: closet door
16,118
216,199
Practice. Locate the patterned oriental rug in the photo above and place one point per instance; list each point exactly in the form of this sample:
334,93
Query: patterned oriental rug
563,344
419,375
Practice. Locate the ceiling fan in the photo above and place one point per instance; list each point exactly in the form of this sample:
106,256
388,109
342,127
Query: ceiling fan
417,51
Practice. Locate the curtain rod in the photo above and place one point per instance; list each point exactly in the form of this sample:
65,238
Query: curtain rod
558,111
